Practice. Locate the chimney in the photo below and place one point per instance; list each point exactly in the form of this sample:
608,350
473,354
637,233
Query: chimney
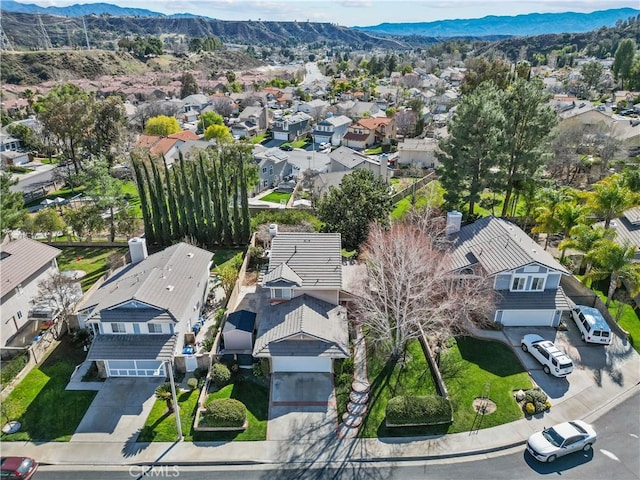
273,230
137,249
454,221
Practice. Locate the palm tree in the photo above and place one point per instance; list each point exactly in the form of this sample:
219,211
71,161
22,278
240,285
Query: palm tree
609,198
583,238
611,258
546,220
568,215
164,392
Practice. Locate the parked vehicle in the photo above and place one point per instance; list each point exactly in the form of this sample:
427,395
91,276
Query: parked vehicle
592,325
286,148
21,468
560,440
554,361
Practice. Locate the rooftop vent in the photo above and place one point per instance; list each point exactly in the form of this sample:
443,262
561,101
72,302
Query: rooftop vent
190,254
170,288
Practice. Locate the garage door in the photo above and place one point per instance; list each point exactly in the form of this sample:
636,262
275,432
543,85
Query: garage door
301,364
526,318
135,368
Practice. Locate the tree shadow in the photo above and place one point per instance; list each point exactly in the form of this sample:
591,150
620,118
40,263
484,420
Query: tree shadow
492,356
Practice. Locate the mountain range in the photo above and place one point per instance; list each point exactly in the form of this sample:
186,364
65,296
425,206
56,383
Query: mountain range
520,25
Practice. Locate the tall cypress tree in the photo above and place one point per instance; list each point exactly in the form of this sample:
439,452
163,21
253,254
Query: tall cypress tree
215,196
144,202
173,207
198,198
227,232
153,210
244,198
180,200
188,199
206,199
161,205
237,227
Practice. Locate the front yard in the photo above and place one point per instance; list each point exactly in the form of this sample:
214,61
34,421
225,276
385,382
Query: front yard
40,402
469,366
161,426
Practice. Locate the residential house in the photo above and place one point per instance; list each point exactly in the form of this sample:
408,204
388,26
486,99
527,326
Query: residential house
197,101
344,159
526,278
143,315
23,265
12,157
291,127
273,167
367,132
9,143
190,149
252,121
315,108
304,327
331,130
443,103
627,228
419,152
165,147
356,109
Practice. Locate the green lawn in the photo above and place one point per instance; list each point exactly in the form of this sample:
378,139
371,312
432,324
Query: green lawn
299,143
161,427
46,410
472,364
224,254
403,206
276,197
390,379
259,138
373,151
92,260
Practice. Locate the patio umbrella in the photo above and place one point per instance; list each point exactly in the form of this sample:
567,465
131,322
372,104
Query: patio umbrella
47,201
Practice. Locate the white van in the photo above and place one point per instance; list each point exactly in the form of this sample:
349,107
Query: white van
592,325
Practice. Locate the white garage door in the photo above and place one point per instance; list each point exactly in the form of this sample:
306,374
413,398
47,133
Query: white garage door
301,364
135,368
527,318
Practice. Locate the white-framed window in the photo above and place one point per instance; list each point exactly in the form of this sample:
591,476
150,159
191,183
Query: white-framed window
518,283
264,169
282,293
155,327
537,283
117,327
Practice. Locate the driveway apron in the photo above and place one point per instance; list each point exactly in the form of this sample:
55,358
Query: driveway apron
118,412
302,406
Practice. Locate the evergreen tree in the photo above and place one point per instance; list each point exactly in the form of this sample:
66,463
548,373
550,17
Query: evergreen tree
176,228
623,60
206,199
160,205
215,197
227,229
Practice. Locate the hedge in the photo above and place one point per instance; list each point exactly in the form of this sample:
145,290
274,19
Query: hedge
11,368
224,412
412,410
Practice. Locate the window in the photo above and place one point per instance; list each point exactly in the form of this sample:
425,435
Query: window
155,328
282,293
264,169
270,170
518,283
118,328
19,314
537,283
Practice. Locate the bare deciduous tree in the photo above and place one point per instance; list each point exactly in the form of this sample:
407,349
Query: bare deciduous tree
61,293
413,289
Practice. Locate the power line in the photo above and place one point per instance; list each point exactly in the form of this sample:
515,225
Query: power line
86,35
5,44
43,37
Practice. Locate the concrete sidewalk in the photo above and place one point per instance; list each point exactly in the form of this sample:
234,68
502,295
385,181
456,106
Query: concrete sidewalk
590,404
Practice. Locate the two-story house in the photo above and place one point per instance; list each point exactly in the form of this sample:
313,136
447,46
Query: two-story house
142,316
370,131
291,127
331,130
525,276
23,265
273,167
304,327
252,121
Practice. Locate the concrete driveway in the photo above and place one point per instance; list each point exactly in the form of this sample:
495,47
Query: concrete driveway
302,406
592,363
119,411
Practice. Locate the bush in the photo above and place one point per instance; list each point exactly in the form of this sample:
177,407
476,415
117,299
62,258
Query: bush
344,379
224,412
200,373
530,408
192,383
261,369
218,316
538,399
220,374
347,365
13,367
207,344
413,410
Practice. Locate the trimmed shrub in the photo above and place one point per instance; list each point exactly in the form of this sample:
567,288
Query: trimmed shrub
192,383
530,408
413,410
10,369
220,374
347,365
537,398
224,412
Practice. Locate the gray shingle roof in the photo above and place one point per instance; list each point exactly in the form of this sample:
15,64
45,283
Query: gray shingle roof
282,275
315,257
498,245
140,315
348,157
243,320
132,347
545,300
165,280
627,227
302,321
20,259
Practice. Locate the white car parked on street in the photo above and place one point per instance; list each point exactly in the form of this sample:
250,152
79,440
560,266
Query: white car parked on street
554,361
561,440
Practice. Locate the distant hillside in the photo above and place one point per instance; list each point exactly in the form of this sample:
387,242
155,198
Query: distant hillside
520,25
23,33
78,10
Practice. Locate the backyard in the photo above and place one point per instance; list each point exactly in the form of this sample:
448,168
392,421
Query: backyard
468,367
276,197
161,426
92,260
40,402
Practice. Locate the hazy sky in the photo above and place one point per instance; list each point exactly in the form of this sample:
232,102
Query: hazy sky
356,12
